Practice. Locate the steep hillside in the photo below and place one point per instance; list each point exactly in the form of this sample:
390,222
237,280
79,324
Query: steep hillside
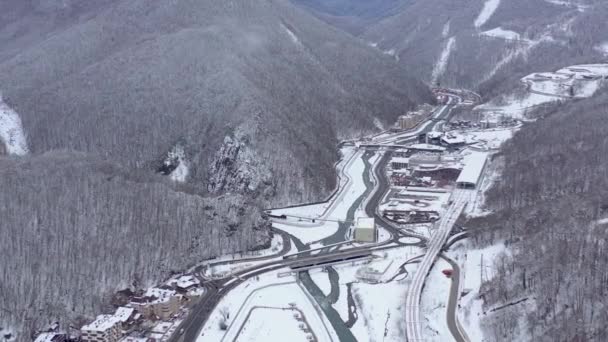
72,236
488,44
139,78
238,103
551,209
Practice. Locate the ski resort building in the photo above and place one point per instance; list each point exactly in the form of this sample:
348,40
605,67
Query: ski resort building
365,230
399,163
106,328
157,302
474,166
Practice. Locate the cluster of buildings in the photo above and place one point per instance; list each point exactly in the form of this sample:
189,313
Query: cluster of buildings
148,316
413,118
421,182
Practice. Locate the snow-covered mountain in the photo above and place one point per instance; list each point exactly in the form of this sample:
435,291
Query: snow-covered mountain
238,103
488,44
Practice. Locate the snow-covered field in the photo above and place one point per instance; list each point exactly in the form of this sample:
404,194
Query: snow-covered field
489,138
309,232
246,323
12,134
476,267
434,302
351,176
578,81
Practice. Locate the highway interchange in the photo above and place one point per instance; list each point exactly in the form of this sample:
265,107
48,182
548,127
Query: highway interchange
216,289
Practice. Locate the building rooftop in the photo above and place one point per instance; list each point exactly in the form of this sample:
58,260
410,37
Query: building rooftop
474,164
46,337
453,139
160,295
185,282
400,160
426,147
366,223
123,314
101,323
162,327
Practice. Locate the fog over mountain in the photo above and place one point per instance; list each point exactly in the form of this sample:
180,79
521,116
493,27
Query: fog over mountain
486,45
136,111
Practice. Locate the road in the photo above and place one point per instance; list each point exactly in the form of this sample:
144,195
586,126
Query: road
413,319
217,289
452,317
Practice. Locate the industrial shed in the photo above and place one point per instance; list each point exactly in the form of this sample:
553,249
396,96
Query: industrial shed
475,164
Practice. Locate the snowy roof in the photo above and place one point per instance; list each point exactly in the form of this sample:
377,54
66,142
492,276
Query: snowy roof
435,135
134,339
101,323
474,164
426,147
161,295
123,314
453,139
45,337
366,223
400,160
162,327
185,282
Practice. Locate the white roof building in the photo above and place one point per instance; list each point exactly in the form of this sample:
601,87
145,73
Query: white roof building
161,295
46,337
474,165
453,139
102,323
366,223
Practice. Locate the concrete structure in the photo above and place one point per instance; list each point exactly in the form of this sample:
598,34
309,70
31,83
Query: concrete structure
453,140
106,328
365,229
157,302
409,121
474,166
399,163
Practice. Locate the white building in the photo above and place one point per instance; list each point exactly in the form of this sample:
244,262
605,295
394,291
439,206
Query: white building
106,328
399,163
157,302
365,229
474,166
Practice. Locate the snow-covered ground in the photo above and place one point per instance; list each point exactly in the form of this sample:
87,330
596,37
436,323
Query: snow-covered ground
499,32
350,168
379,306
476,266
244,322
578,81
12,135
435,296
273,324
307,231
442,62
489,139
489,7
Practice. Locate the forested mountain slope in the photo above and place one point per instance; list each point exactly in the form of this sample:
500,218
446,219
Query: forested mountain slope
240,102
138,78
488,45
551,206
